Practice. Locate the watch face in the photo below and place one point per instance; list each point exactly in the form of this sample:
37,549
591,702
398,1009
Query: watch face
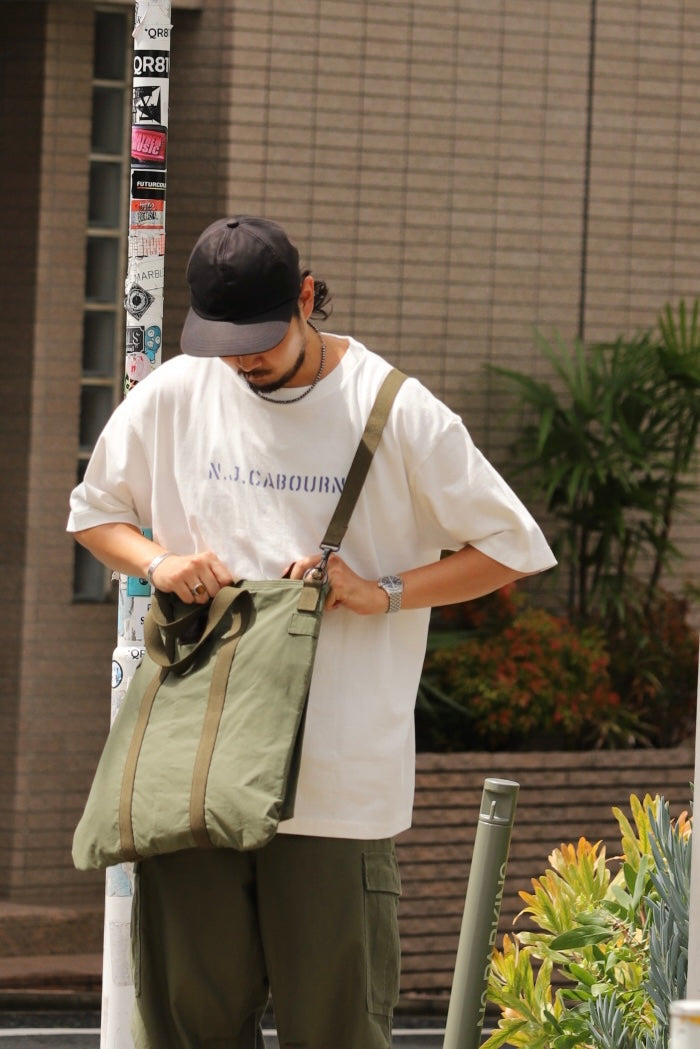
391,582
393,586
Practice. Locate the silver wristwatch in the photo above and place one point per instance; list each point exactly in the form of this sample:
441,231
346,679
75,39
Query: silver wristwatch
393,585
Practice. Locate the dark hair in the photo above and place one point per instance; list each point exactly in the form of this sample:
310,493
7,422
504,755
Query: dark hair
322,297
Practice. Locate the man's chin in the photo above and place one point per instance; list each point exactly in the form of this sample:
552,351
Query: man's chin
259,385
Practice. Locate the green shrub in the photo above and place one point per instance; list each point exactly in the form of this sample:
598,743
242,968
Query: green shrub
537,682
611,445
654,665
499,674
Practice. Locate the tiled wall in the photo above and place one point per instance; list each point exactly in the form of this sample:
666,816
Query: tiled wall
20,108
643,236
431,158
58,721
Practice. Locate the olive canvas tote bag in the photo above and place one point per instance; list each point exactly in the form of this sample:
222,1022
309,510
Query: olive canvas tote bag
205,750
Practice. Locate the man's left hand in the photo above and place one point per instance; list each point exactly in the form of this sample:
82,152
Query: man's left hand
347,588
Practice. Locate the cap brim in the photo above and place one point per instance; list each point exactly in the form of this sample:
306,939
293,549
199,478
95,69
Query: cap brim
207,338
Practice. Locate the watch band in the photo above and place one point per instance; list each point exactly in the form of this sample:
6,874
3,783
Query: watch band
392,585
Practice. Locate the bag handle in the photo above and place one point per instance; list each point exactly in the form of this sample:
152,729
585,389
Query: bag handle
359,468
162,650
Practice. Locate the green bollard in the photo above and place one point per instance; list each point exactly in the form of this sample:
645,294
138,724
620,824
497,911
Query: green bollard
482,908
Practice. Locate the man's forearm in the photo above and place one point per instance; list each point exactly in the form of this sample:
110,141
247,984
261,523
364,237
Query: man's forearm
463,576
122,547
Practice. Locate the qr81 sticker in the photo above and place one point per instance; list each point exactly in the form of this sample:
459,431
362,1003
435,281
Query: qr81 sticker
152,64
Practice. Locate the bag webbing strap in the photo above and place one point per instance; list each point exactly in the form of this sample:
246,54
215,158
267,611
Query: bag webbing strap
126,797
161,648
207,740
363,459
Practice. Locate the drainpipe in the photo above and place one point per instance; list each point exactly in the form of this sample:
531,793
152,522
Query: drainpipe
585,218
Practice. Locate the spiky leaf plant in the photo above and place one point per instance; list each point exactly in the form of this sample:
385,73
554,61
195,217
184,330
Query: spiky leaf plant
609,951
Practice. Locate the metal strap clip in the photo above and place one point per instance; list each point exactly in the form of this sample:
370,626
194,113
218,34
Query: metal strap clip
319,572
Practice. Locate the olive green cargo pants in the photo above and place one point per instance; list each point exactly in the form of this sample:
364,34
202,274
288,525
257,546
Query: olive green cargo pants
313,920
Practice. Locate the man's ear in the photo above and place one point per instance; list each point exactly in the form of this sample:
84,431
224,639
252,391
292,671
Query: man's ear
306,297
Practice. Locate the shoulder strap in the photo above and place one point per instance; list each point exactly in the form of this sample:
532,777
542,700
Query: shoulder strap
362,461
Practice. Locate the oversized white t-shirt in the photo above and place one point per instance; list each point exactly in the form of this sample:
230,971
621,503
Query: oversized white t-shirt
197,456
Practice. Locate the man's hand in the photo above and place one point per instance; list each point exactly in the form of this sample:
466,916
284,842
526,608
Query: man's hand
463,576
347,588
123,548
193,577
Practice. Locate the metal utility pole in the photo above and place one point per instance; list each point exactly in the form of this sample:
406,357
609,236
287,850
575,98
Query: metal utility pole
482,909
144,292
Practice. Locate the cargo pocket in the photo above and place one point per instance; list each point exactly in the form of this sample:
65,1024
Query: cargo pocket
382,886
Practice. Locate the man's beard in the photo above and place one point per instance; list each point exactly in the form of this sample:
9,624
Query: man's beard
271,387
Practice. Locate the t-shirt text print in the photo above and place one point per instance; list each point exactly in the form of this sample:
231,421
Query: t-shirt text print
320,484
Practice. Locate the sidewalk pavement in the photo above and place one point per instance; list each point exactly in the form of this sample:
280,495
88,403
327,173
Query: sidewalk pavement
50,947
76,973
75,1039
51,982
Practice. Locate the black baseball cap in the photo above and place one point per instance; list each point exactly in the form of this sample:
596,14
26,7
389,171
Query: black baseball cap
244,283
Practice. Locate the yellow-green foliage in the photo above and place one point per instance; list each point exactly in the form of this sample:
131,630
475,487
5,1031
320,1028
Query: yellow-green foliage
588,957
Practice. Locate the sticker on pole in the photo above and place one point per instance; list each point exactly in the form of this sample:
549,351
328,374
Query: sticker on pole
151,65
148,185
142,350
150,104
147,214
150,29
149,146
141,340
138,301
144,244
147,207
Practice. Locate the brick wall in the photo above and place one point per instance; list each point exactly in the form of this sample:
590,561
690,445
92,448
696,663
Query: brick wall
562,797
58,718
430,158
645,148
21,62
462,173
196,147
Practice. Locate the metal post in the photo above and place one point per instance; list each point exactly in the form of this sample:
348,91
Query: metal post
144,293
482,908
693,984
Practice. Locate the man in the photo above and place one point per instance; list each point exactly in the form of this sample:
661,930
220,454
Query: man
234,455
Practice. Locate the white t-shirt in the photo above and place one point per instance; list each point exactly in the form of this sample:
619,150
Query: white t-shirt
198,457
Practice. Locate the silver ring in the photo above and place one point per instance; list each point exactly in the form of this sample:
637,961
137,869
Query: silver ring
198,589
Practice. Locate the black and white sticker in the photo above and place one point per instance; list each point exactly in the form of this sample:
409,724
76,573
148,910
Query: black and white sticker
138,301
152,65
148,184
150,104
134,339
142,340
